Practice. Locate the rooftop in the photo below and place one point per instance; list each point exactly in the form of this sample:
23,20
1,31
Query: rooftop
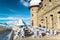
34,2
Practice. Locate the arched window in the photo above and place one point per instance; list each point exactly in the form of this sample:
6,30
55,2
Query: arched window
32,14
51,16
32,23
46,22
52,21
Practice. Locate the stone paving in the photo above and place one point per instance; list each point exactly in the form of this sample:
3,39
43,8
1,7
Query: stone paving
56,37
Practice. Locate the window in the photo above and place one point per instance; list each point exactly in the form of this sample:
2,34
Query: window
58,12
43,26
32,14
51,15
39,25
41,0
45,4
40,4
46,17
49,0
42,19
32,23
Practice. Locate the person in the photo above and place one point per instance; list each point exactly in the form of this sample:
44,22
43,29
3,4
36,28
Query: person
55,32
48,32
22,32
40,34
51,32
35,33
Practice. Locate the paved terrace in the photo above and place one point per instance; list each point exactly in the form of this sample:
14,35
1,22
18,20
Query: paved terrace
56,37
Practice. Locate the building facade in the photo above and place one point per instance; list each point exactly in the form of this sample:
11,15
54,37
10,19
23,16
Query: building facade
45,13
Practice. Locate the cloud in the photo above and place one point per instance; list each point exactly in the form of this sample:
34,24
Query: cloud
11,22
8,18
25,3
15,19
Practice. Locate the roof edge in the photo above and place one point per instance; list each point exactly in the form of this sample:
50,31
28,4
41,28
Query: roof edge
33,6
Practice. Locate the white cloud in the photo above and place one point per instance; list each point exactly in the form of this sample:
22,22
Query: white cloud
14,19
8,18
25,3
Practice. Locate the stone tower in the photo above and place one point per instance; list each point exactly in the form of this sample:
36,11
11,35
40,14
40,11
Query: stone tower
34,7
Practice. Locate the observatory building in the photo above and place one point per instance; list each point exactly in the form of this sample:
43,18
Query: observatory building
45,13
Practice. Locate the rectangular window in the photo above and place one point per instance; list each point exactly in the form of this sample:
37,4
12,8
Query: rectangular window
32,23
32,15
49,0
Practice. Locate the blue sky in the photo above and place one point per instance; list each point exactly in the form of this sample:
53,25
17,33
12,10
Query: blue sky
14,9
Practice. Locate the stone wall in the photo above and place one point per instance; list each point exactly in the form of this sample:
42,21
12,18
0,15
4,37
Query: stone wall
47,15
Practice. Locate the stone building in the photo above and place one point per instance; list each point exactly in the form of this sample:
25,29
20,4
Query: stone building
45,13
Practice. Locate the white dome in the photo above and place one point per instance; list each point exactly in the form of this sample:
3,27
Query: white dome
34,2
